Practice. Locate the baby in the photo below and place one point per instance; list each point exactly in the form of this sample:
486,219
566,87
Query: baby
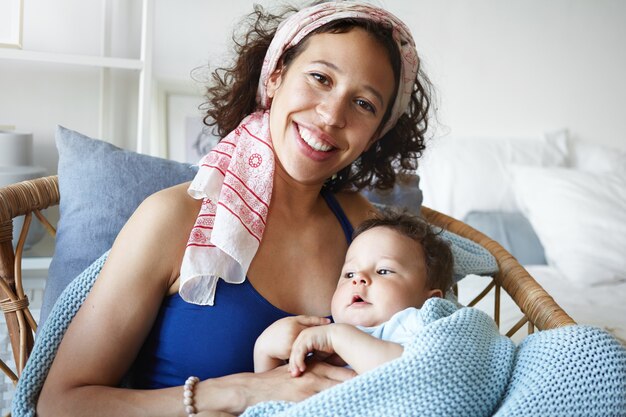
394,264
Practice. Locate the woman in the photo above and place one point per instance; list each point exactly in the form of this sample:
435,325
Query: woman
337,100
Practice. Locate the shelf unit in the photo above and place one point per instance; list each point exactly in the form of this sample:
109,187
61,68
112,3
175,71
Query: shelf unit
143,65
85,60
34,265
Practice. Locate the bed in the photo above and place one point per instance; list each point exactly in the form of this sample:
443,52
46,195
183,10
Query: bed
557,204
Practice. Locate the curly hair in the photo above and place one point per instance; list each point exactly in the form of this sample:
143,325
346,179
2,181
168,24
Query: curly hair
437,252
231,96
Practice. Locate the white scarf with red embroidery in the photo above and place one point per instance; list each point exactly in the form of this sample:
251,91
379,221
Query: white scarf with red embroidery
235,184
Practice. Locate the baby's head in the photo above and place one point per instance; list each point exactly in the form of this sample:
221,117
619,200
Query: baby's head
395,261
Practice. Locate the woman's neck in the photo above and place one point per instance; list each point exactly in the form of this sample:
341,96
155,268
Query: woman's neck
294,198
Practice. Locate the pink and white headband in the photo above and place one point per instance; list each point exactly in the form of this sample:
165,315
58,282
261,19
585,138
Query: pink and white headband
292,30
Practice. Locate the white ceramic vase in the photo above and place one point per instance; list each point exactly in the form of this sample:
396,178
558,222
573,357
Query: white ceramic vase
16,159
16,149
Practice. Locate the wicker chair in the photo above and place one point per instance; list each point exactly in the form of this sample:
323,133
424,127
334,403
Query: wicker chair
28,197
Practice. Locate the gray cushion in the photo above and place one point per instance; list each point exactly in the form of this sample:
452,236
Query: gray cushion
405,194
101,185
513,231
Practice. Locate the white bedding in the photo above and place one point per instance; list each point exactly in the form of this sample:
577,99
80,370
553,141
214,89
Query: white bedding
572,193
602,306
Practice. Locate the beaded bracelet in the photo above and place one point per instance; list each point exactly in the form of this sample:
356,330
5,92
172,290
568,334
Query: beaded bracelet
188,401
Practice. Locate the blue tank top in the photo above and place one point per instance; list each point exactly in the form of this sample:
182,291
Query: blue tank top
210,341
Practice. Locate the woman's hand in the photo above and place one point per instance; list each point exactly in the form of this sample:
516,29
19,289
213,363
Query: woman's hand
273,346
234,393
279,385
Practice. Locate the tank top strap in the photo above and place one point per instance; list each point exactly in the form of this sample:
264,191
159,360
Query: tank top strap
334,206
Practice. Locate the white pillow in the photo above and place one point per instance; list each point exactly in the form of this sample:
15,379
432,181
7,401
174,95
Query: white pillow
459,175
592,157
580,218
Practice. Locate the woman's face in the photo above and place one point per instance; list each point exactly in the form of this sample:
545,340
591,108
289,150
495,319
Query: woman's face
328,104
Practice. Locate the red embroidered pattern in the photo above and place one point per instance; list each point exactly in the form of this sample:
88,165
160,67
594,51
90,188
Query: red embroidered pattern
255,160
198,236
247,186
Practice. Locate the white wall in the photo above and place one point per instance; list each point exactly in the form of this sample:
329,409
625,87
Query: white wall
507,67
525,66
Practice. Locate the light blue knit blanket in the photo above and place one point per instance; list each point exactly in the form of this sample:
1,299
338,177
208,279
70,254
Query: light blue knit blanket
461,366
460,363
48,339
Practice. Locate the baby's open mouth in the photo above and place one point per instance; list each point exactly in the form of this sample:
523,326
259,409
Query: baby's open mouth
358,299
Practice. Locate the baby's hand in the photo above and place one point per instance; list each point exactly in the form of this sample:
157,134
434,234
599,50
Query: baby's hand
276,341
314,339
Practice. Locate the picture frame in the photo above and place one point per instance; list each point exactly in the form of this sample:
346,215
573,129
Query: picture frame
11,22
183,136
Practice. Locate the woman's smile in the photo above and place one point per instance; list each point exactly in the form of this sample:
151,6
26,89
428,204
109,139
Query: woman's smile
317,147
316,143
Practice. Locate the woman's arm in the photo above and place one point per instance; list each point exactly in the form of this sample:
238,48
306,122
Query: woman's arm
108,331
105,336
358,349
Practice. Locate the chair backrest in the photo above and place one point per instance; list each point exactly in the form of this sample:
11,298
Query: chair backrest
539,308
30,197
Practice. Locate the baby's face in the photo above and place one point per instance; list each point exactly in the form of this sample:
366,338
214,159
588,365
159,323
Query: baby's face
384,273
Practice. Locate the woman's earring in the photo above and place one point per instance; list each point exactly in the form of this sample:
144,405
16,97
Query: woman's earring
334,177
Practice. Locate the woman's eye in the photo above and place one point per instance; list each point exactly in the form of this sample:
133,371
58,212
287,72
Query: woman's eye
366,105
319,78
384,271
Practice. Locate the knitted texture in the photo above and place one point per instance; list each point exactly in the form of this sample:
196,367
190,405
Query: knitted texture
570,371
469,257
48,340
458,365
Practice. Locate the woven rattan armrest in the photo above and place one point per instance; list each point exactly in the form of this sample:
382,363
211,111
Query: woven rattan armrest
22,199
539,307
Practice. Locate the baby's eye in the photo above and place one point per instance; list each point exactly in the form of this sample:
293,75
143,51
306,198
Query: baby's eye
348,275
366,105
384,271
320,78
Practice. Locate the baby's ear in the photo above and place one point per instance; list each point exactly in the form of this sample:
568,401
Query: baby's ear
437,293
